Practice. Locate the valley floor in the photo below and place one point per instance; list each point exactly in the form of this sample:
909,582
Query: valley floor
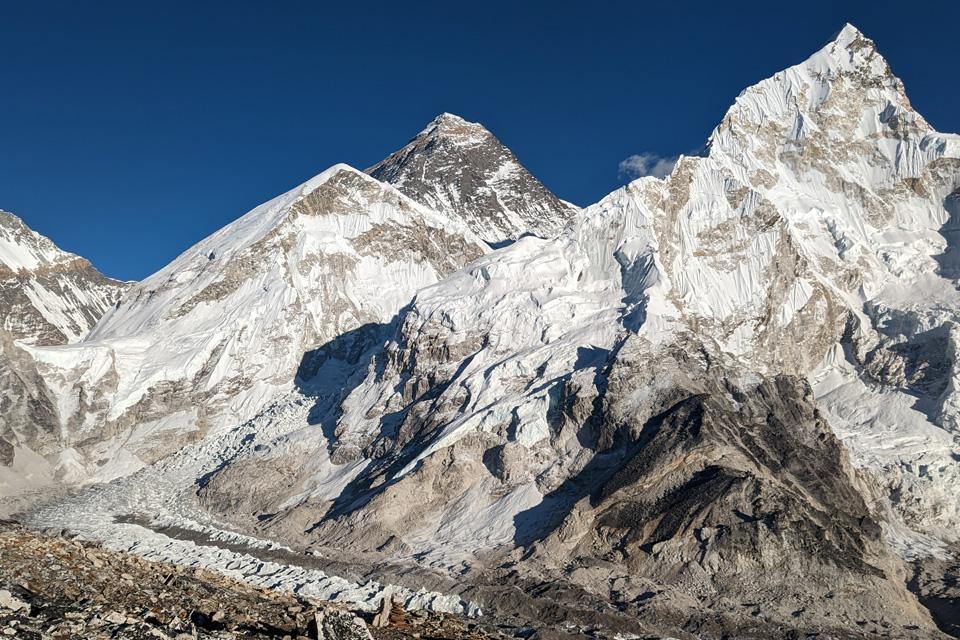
60,588
53,586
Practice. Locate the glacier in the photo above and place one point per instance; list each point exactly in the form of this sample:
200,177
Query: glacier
728,389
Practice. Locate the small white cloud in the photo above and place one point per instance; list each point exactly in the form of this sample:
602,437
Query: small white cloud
646,164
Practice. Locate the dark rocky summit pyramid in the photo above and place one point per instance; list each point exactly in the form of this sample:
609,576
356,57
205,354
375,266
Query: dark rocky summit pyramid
460,168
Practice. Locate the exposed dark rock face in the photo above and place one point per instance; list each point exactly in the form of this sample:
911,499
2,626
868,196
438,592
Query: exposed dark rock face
740,499
459,168
714,505
936,582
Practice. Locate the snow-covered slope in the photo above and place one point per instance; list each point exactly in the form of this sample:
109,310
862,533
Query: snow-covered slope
733,388
48,296
819,204
209,339
460,169
811,245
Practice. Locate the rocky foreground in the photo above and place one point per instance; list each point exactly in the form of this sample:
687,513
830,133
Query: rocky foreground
56,587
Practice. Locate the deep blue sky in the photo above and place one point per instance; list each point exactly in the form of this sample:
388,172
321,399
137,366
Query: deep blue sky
128,131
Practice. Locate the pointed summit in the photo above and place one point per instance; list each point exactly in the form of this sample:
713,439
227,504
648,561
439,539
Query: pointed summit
816,112
848,34
460,169
47,295
850,51
451,118
450,124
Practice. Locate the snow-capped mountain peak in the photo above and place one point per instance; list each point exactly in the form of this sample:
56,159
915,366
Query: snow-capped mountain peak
47,295
851,48
21,248
853,52
209,339
460,169
849,35
456,129
749,363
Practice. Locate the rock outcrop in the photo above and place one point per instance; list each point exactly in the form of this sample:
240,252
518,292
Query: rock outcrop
48,296
460,169
53,586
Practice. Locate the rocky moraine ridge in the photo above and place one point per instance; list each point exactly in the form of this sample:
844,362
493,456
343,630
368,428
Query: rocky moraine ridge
724,403
55,587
